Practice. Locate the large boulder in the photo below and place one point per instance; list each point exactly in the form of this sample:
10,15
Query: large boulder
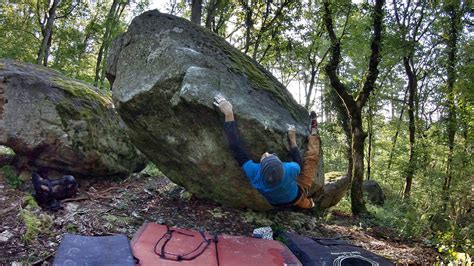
61,125
165,72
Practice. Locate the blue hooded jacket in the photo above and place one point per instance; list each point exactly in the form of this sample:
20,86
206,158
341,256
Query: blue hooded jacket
286,191
283,193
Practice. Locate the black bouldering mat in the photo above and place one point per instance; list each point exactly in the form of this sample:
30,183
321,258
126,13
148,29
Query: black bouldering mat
94,250
337,252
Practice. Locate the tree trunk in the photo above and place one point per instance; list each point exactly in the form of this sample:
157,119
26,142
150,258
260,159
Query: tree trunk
196,11
111,17
248,25
412,86
45,46
453,9
395,137
354,105
211,13
323,106
369,150
358,138
311,87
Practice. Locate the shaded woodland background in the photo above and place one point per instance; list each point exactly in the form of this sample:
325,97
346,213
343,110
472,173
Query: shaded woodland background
392,84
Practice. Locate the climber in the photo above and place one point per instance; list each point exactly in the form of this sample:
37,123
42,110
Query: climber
281,183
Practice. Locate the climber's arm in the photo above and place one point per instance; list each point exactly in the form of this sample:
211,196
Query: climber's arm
235,144
294,151
231,132
296,156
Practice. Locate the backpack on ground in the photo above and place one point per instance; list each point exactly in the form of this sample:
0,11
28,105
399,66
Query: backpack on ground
330,251
48,192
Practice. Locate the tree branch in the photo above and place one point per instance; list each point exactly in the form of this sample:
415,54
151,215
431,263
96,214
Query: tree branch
374,56
71,9
335,59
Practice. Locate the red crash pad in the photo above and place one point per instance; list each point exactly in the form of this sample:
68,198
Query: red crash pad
189,247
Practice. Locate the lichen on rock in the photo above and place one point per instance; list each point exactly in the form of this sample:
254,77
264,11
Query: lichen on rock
61,124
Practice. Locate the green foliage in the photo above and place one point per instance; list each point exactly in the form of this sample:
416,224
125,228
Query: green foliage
293,44
152,170
36,222
72,228
11,175
29,200
409,221
334,147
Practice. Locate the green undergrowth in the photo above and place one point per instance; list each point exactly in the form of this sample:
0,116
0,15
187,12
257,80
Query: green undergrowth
452,239
11,176
333,176
35,220
412,222
152,170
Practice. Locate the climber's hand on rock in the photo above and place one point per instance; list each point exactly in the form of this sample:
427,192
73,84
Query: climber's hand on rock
224,106
291,135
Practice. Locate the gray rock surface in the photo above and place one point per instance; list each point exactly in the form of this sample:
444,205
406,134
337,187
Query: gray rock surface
165,72
335,188
62,125
374,192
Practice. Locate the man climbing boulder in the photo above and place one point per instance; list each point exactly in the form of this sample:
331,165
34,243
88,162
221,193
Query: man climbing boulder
165,72
282,184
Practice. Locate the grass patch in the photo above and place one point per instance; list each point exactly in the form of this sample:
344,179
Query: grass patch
152,170
11,176
72,228
36,222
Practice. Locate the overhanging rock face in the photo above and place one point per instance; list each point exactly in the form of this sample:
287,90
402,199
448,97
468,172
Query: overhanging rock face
165,72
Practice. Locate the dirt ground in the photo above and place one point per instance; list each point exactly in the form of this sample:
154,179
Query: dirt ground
121,207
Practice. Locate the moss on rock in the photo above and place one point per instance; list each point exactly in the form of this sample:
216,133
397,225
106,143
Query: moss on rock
35,220
333,176
259,79
80,90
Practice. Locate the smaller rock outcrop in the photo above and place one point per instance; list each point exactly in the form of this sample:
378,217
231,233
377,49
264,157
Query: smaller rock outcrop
336,185
60,124
374,192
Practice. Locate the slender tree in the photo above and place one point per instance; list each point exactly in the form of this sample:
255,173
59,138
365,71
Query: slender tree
218,14
345,123
354,105
46,23
112,19
196,11
453,11
211,9
413,23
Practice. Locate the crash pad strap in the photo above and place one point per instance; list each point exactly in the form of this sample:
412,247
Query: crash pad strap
186,256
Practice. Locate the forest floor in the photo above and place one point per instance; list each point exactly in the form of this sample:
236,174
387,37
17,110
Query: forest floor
121,207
